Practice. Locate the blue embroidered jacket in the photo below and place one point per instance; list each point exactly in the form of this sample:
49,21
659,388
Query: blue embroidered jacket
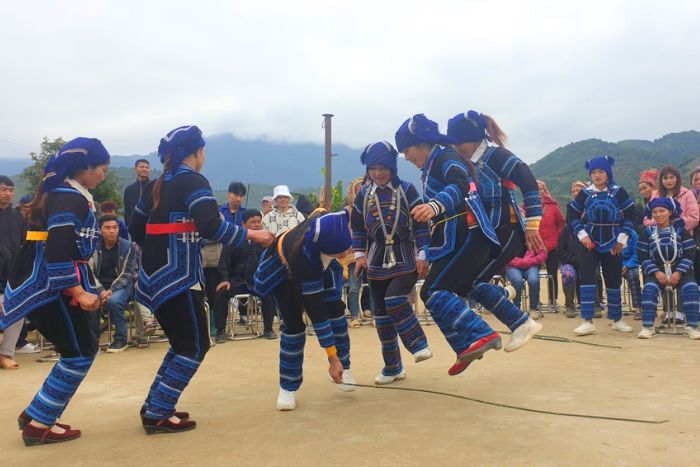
603,215
45,268
171,263
448,187
233,218
498,170
673,244
367,229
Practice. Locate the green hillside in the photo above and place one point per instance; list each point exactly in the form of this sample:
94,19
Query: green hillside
566,164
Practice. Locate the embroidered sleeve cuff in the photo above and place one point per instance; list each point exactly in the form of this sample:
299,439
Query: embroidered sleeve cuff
581,234
420,255
683,266
359,254
331,351
533,223
437,207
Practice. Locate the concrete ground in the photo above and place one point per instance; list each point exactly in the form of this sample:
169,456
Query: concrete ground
233,400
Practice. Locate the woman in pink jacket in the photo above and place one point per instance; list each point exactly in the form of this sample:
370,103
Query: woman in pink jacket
671,186
527,269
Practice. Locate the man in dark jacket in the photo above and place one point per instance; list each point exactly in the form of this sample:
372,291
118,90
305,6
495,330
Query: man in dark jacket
114,265
133,192
237,267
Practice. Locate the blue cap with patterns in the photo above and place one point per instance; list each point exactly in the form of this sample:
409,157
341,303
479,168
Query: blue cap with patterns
78,153
180,143
418,130
380,153
328,234
605,163
467,127
667,203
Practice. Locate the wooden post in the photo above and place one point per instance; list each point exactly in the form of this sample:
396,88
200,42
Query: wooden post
329,155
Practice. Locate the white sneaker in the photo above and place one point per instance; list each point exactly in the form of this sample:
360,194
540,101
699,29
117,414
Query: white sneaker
510,292
621,326
383,379
286,400
347,378
692,332
585,329
522,334
28,348
646,333
422,355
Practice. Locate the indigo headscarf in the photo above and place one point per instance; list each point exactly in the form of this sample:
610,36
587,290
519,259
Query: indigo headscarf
667,203
417,130
605,163
467,127
380,153
79,153
180,143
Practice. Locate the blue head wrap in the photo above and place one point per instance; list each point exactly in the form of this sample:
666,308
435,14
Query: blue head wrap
417,130
380,153
605,163
667,203
79,153
180,143
467,127
329,234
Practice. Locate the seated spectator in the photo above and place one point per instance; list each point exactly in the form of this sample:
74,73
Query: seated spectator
266,205
667,251
671,186
109,208
647,186
283,216
232,210
630,271
114,265
305,206
527,268
237,267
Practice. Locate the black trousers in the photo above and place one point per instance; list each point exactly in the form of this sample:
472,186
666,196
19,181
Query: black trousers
610,264
292,309
68,327
221,307
185,323
395,287
212,277
512,239
458,271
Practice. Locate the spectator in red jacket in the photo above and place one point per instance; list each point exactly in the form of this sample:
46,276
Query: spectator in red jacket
550,227
527,269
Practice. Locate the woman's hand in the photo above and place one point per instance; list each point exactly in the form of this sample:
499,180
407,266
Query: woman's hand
534,241
360,264
104,296
263,237
661,277
617,249
87,301
587,243
223,285
423,213
421,268
335,369
675,279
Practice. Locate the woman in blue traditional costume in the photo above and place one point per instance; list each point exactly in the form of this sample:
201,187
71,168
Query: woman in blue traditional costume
667,253
390,246
461,241
171,220
499,172
301,273
602,217
52,285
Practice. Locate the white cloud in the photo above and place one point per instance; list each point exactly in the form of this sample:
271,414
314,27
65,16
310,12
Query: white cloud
549,72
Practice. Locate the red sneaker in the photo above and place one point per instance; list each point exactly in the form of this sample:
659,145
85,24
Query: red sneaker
24,419
475,351
33,435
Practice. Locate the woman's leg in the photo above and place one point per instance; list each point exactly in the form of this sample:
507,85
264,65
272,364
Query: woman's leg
401,312
515,277
354,284
386,330
612,273
533,281
588,263
552,270
292,337
69,329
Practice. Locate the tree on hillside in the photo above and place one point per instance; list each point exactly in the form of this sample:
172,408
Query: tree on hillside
110,189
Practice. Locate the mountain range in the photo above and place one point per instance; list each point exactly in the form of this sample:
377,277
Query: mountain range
263,164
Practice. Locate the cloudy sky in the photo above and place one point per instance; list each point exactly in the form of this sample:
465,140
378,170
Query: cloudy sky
550,72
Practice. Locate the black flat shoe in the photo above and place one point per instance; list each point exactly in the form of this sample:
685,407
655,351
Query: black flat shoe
152,426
